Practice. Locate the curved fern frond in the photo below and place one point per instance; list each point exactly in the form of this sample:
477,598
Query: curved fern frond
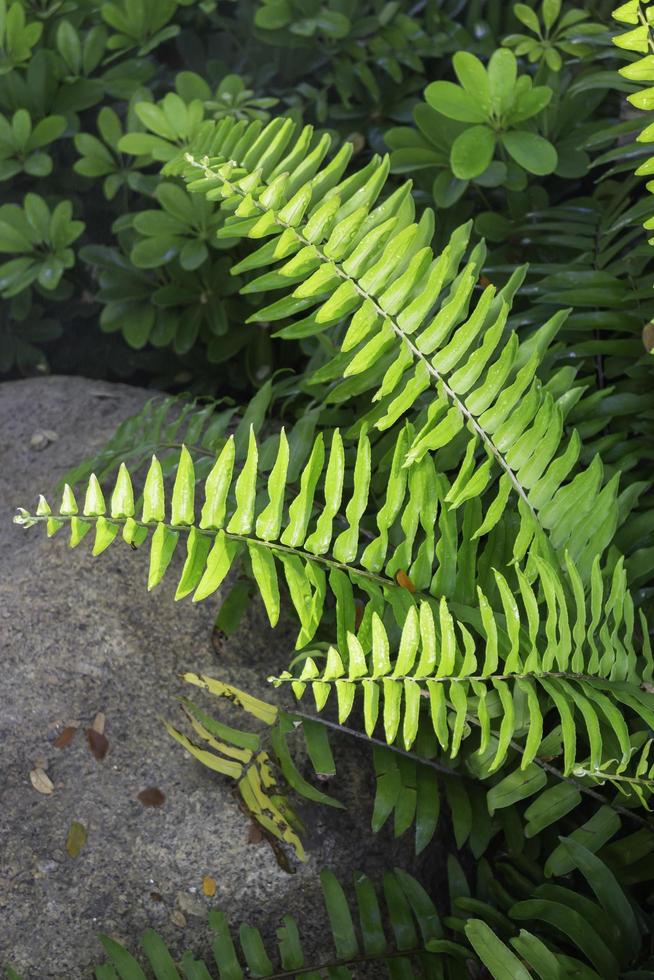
509,689
401,934
418,339
246,757
318,548
639,38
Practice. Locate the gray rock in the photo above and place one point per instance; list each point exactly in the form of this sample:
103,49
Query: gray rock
81,636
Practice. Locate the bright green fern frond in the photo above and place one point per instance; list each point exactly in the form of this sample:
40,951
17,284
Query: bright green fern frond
316,530
639,38
419,338
519,668
316,540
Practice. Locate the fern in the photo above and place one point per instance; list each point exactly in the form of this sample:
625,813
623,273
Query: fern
588,930
416,948
637,786
459,531
506,690
636,14
538,654
412,785
314,554
373,267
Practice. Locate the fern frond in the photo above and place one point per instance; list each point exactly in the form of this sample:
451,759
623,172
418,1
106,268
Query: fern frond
412,787
416,946
318,548
637,785
245,758
509,688
417,337
639,38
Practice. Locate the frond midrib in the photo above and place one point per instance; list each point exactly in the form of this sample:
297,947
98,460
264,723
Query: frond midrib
246,539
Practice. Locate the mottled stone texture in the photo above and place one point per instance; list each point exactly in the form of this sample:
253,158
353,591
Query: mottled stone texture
80,636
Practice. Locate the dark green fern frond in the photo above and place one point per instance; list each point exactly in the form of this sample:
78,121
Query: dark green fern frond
418,338
398,933
166,423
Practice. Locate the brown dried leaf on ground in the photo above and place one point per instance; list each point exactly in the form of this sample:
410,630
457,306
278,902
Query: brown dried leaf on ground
65,737
98,743
152,796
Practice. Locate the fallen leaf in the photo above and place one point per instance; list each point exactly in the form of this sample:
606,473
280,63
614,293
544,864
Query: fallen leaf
65,737
41,782
404,581
76,838
178,919
98,743
209,886
152,796
42,438
99,723
255,835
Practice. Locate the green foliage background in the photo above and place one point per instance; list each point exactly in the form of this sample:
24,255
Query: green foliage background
214,197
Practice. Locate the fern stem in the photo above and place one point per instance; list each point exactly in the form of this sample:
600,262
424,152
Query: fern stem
457,678
323,968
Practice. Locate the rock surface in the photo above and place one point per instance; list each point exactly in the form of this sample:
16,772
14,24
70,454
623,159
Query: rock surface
82,636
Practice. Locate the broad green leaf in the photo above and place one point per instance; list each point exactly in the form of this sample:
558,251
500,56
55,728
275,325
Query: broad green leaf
531,151
501,963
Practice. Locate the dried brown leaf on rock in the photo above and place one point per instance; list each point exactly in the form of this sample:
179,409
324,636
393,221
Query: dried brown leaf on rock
76,838
152,796
178,919
209,886
255,835
98,743
41,782
65,737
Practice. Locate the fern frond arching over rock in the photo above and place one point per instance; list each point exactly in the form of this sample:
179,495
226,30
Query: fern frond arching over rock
419,337
317,538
